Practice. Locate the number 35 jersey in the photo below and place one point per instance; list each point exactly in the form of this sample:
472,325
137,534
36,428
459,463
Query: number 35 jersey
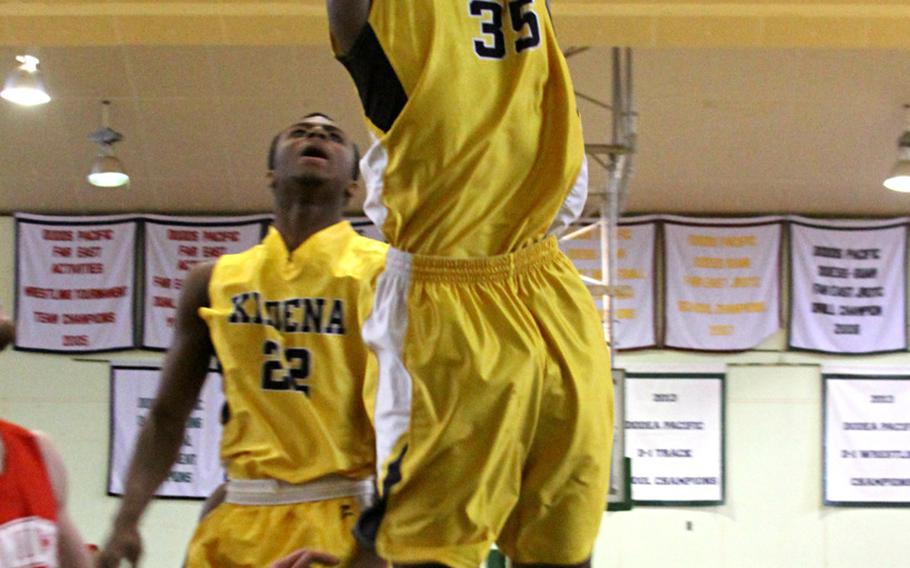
286,329
478,146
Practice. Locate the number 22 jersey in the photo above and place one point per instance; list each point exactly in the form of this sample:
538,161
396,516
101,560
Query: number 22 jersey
286,329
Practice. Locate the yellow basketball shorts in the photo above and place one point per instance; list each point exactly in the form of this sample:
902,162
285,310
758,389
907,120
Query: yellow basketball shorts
494,410
255,536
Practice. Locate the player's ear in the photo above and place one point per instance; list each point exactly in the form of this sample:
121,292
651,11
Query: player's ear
355,155
349,192
270,178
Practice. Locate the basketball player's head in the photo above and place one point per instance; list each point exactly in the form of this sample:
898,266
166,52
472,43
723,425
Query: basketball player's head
316,156
7,331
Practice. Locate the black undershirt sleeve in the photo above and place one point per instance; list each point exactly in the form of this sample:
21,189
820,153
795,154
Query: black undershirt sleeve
381,92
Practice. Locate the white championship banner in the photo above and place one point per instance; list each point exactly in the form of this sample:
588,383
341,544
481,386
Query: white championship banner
172,246
75,282
635,319
198,470
722,277
848,285
634,302
867,438
674,436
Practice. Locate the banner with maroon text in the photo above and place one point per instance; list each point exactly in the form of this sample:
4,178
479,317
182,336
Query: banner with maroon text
75,282
172,246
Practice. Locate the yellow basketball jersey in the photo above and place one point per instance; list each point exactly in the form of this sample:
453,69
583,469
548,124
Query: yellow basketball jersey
478,145
286,330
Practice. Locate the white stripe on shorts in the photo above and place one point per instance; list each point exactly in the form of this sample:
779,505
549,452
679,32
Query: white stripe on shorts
384,332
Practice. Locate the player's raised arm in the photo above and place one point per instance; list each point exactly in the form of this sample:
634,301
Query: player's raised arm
182,376
346,20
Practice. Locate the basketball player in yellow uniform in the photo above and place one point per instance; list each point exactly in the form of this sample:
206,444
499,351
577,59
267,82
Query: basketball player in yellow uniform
284,320
494,408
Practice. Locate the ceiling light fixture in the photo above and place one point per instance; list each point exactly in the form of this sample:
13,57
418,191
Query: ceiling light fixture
899,179
107,171
24,85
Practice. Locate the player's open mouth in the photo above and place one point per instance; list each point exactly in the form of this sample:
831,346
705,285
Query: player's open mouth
314,153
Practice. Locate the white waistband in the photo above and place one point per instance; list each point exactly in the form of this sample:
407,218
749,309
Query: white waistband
275,492
398,261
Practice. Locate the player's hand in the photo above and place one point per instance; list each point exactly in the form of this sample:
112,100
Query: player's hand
123,544
305,558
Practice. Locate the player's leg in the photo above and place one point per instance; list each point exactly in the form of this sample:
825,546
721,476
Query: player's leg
566,474
235,536
450,422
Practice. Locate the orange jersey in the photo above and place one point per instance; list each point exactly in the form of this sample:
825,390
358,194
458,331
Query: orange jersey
28,509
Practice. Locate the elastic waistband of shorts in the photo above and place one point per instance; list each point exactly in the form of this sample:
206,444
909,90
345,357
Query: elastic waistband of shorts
275,492
425,267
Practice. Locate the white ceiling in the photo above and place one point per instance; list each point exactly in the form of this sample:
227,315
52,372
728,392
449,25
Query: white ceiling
721,131
747,131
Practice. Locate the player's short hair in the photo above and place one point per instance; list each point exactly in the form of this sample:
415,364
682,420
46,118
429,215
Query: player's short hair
355,175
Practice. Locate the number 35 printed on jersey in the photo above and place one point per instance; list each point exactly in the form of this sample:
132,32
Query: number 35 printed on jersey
524,22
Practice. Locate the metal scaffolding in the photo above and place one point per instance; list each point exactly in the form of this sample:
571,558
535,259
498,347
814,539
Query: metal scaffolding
616,157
